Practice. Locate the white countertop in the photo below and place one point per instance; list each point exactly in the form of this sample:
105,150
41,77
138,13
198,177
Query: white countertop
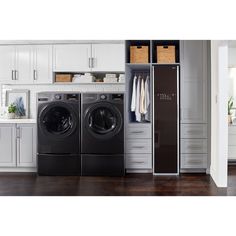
18,121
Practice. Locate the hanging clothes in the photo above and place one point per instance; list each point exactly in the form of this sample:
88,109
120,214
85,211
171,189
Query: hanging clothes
133,99
142,97
137,100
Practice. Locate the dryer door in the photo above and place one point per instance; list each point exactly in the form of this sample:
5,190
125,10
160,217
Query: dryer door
58,120
103,120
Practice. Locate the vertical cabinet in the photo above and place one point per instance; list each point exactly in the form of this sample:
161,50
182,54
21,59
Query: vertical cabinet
25,64
89,57
7,63
17,145
193,105
7,145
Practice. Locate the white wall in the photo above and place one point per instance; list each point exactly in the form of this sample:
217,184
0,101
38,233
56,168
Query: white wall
219,123
34,89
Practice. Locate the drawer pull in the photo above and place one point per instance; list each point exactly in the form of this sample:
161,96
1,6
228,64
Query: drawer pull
137,132
138,147
138,162
196,147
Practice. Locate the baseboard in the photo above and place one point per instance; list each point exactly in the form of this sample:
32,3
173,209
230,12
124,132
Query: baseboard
18,169
138,171
193,171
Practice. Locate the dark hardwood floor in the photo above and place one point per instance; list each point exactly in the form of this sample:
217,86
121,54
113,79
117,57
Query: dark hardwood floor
26,184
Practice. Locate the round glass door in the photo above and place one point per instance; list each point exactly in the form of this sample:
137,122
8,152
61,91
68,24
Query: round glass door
57,120
103,120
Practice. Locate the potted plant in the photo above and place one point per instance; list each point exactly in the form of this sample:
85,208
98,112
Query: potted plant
230,106
11,111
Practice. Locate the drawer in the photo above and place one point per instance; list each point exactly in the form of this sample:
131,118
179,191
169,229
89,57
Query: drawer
191,161
232,130
138,161
193,131
232,139
139,131
232,152
138,146
193,146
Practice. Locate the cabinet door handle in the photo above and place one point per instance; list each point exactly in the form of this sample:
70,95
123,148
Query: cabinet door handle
18,133
139,162
16,75
90,62
12,75
35,75
137,132
93,62
138,147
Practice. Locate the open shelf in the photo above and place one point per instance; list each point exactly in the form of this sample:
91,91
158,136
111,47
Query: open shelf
156,43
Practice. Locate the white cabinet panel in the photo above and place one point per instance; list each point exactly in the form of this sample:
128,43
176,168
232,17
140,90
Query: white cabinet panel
232,57
72,57
138,146
7,64
193,85
193,161
7,145
24,64
42,73
108,57
138,131
26,145
138,161
193,145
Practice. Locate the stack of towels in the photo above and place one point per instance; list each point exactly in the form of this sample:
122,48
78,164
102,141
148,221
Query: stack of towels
83,78
110,78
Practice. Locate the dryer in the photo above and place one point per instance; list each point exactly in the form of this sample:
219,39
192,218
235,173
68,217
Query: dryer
58,133
102,137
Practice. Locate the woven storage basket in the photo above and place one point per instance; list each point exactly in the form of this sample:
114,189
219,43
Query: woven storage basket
139,54
63,77
166,54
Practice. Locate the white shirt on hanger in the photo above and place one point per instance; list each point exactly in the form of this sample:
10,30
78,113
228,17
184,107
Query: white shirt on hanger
142,97
133,99
137,109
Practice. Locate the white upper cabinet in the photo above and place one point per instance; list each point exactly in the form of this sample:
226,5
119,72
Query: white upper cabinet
232,57
42,64
7,63
108,57
72,57
24,64
193,81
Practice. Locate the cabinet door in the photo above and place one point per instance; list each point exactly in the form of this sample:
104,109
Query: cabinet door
72,57
108,57
24,64
193,81
7,64
7,145
42,73
232,57
26,145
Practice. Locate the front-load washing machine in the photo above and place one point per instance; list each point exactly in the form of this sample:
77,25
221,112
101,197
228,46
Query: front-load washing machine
102,134
58,131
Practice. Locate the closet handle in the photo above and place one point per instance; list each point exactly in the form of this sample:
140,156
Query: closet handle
93,62
90,62
35,75
12,74
137,132
16,75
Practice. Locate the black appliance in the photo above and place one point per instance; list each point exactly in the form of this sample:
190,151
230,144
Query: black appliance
102,137
166,120
58,130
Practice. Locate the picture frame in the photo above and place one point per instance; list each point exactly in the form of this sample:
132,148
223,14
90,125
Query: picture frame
20,97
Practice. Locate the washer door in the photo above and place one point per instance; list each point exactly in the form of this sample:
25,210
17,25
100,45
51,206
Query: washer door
103,120
58,120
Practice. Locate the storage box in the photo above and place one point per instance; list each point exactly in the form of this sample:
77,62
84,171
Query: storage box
139,54
63,78
166,54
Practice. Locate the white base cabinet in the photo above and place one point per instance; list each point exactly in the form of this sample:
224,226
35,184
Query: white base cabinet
17,145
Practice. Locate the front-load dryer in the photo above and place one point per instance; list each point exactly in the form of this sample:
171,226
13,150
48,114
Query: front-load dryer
102,137
58,131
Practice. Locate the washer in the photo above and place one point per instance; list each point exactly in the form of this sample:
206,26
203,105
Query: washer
102,138
58,133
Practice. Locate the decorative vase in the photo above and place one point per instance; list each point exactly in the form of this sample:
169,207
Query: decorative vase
229,119
11,115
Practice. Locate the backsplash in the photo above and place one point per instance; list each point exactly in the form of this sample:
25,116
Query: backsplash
34,89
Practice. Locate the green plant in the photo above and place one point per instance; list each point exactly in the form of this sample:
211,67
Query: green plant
230,105
12,108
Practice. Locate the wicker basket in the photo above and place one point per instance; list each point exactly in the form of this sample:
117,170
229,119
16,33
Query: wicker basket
166,54
139,54
63,78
